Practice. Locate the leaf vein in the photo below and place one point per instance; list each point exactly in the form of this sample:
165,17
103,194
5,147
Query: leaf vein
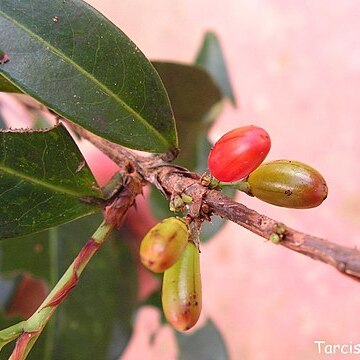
37,181
74,64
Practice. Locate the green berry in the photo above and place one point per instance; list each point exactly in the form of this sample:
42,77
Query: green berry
181,291
287,183
164,243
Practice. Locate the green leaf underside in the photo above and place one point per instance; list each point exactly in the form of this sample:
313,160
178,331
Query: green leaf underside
204,344
43,178
211,57
191,90
90,324
71,58
96,319
194,97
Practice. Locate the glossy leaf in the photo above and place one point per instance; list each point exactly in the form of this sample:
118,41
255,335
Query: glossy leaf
75,61
95,321
204,344
43,181
211,57
195,99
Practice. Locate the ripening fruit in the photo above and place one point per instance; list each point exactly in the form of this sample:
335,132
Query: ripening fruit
164,244
290,184
181,291
238,153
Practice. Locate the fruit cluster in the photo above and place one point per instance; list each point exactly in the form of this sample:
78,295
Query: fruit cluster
239,154
167,248
172,245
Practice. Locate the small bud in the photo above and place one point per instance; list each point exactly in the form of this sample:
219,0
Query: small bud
187,199
181,291
164,243
290,184
275,238
176,203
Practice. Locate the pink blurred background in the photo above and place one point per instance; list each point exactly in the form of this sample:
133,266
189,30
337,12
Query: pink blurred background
295,68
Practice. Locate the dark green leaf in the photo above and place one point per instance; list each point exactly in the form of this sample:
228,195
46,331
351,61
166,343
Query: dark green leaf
72,59
43,181
191,90
204,344
195,99
211,57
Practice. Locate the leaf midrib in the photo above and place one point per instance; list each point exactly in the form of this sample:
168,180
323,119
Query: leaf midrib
37,181
87,74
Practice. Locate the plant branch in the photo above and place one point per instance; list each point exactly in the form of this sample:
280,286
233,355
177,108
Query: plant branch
171,180
28,331
345,260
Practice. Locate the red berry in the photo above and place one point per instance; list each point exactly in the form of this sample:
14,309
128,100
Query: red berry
240,151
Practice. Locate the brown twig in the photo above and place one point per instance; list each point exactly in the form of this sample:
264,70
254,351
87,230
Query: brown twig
206,202
344,259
